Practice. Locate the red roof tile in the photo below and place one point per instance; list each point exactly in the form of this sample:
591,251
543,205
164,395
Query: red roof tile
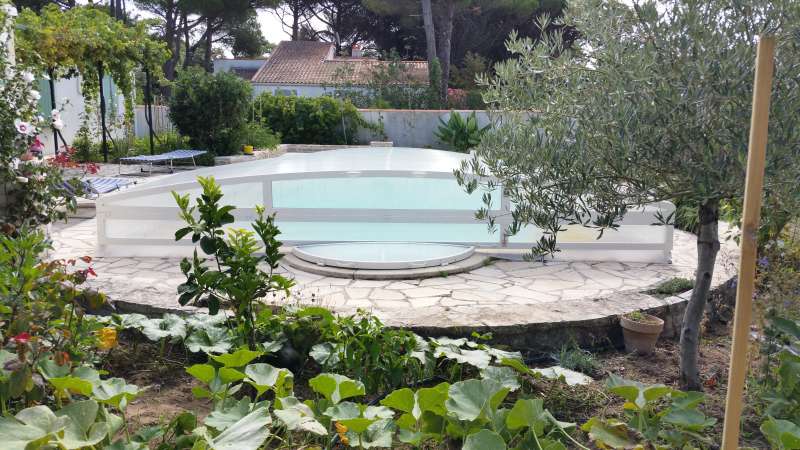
309,62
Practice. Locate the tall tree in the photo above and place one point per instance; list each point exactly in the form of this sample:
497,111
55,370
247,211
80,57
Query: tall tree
439,18
650,106
294,15
37,5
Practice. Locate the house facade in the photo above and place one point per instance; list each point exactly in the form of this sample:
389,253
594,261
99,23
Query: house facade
312,69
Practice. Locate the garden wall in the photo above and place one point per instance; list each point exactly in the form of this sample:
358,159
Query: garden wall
411,127
403,127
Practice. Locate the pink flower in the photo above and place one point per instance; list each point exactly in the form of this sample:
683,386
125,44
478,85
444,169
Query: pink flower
23,127
22,338
37,146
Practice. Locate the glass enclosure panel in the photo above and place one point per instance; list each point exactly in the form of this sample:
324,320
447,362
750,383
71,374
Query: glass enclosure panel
377,193
386,232
241,195
634,234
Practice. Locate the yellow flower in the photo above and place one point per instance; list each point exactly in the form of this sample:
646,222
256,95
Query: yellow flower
341,430
107,337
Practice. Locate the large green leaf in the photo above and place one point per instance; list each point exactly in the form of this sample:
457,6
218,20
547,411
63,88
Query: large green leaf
473,399
239,358
49,369
221,420
264,377
203,372
115,392
527,413
298,416
247,433
31,428
342,411
325,354
506,376
378,434
170,326
782,434
403,400
609,434
72,384
484,440
205,321
335,387
209,340
82,430
690,419
477,358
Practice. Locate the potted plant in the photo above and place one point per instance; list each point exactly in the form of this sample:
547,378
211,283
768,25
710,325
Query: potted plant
640,331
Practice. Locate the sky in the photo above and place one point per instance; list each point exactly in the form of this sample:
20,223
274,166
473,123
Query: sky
271,27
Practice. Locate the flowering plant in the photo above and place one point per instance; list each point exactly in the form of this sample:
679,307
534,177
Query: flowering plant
32,192
44,325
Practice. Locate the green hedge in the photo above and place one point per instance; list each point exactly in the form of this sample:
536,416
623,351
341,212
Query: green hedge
309,120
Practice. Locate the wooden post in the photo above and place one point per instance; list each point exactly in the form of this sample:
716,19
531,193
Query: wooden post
747,261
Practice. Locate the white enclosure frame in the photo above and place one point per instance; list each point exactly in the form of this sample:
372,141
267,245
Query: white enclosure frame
107,209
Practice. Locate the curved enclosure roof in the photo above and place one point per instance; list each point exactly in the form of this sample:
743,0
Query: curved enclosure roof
378,194
389,159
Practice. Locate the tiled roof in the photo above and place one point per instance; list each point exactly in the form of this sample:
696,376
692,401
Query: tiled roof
309,62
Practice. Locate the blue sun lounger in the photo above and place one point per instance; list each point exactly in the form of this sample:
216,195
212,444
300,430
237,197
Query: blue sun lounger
168,157
94,187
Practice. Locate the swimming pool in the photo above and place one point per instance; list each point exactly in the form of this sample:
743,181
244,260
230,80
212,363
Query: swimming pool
374,194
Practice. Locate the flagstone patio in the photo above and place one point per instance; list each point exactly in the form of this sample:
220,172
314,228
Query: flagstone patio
504,295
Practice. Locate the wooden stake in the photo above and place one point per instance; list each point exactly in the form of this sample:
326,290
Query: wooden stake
754,183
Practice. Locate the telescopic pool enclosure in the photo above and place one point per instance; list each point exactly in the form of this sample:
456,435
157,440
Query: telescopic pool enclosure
369,195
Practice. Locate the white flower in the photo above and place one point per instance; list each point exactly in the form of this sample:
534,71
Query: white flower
10,10
28,77
58,124
55,114
22,180
3,36
23,127
35,95
14,164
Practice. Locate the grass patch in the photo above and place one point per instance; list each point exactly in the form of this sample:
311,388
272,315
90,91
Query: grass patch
575,358
672,286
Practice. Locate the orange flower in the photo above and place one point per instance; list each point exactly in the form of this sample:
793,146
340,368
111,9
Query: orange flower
107,338
341,430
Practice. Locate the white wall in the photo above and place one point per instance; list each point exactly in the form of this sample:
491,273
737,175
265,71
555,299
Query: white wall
405,128
411,127
70,101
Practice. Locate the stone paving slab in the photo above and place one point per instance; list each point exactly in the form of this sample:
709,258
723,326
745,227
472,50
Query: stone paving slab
506,296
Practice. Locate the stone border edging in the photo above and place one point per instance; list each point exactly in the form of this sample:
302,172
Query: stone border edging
473,262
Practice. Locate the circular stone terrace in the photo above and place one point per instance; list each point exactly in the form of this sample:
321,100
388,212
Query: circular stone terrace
525,304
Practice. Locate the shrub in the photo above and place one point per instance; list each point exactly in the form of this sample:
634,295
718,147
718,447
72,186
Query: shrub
459,134
260,137
239,258
211,110
309,120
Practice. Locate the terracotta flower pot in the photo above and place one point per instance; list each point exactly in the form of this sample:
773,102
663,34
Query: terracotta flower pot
641,335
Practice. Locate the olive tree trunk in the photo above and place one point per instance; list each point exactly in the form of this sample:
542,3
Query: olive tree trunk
707,249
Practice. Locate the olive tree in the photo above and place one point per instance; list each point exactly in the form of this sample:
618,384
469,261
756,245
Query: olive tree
651,103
